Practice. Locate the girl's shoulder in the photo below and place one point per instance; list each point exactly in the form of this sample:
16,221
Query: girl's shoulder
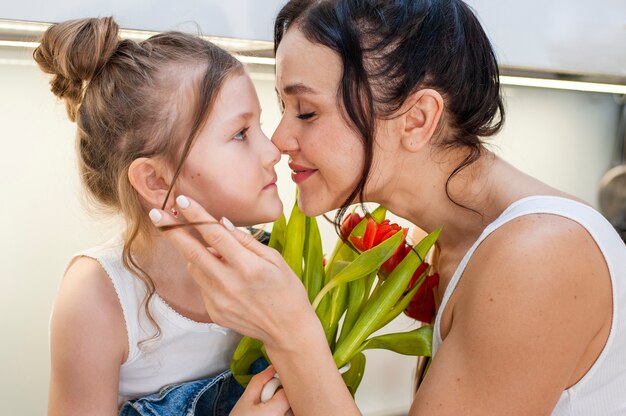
87,339
87,303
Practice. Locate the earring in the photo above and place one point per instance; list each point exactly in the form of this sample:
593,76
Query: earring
174,212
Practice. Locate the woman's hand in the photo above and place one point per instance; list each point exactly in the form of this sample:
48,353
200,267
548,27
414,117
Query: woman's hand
246,285
250,402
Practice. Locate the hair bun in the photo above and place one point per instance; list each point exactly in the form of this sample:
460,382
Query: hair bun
74,52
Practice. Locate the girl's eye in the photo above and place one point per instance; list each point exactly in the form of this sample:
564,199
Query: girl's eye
241,135
306,116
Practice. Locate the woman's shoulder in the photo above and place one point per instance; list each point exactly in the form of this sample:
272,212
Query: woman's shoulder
543,263
541,243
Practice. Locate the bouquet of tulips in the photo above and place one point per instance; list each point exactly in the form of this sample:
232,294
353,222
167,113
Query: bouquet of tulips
371,277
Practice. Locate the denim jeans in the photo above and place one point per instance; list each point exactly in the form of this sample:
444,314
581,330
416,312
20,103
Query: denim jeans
214,396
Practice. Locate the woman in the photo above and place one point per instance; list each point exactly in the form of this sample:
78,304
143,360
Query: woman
387,101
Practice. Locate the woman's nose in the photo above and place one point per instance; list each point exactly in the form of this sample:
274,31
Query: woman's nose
284,138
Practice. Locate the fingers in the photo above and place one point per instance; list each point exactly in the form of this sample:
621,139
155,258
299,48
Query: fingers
192,249
220,237
259,380
251,243
277,404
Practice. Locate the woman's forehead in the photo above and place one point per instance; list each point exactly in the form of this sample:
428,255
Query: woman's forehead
305,67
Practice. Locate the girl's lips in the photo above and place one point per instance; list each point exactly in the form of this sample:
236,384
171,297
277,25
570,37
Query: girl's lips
272,184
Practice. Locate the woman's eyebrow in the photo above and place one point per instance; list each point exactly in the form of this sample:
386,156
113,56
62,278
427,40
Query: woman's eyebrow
298,89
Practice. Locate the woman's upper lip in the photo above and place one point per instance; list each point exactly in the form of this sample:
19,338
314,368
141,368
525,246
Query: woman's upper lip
299,168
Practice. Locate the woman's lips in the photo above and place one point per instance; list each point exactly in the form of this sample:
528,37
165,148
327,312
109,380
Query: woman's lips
301,173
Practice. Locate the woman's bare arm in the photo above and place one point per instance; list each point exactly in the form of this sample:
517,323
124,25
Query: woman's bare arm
530,316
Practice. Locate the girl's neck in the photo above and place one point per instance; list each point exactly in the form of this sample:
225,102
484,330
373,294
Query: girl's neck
168,270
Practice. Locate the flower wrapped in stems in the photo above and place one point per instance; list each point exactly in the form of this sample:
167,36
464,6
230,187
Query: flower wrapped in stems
371,277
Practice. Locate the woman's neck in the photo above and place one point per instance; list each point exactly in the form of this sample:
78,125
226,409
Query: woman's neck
465,204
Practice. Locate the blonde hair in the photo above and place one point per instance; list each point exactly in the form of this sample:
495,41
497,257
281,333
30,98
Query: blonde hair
122,96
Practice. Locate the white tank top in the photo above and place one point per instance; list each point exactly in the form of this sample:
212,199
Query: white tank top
186,350
602,391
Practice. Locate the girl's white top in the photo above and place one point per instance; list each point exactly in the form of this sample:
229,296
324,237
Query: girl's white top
186,350
602,391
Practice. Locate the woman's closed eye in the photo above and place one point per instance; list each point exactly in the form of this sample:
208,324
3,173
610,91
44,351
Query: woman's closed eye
306,116
242,135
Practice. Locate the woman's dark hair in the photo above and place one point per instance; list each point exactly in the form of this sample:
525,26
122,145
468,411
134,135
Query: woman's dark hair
392,48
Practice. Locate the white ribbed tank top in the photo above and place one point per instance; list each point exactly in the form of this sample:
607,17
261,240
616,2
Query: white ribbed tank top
602,391
186,350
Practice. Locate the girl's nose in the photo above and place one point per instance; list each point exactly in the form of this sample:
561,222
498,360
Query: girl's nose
270,152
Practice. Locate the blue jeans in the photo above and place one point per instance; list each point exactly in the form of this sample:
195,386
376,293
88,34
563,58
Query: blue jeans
214,396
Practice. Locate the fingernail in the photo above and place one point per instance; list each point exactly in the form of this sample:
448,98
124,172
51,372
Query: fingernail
155,215
182,201
229,225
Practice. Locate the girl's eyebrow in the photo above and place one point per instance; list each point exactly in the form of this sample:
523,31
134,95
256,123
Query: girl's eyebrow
243,116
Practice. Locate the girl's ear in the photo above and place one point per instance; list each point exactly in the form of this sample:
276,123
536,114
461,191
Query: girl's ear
421,118
149,178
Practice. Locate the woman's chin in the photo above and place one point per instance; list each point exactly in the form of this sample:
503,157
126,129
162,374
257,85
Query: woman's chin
313,207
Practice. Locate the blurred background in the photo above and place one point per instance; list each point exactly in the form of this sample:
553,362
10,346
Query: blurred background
564,67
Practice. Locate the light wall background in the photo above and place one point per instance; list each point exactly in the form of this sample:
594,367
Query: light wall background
565,138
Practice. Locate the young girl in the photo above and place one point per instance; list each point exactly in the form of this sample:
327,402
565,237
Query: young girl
172,114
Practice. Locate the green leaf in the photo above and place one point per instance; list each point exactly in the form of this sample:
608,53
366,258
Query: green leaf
294,240
313,276
369,282
404,301
277,238
323,311
338,303
354,375
379,214
356,293
363,265
247,352
417,342
383,300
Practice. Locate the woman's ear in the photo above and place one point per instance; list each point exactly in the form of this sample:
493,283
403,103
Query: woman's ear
149,179
421,118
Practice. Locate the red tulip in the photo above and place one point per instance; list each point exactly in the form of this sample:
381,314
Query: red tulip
397,257
348,224
422,306
375,234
